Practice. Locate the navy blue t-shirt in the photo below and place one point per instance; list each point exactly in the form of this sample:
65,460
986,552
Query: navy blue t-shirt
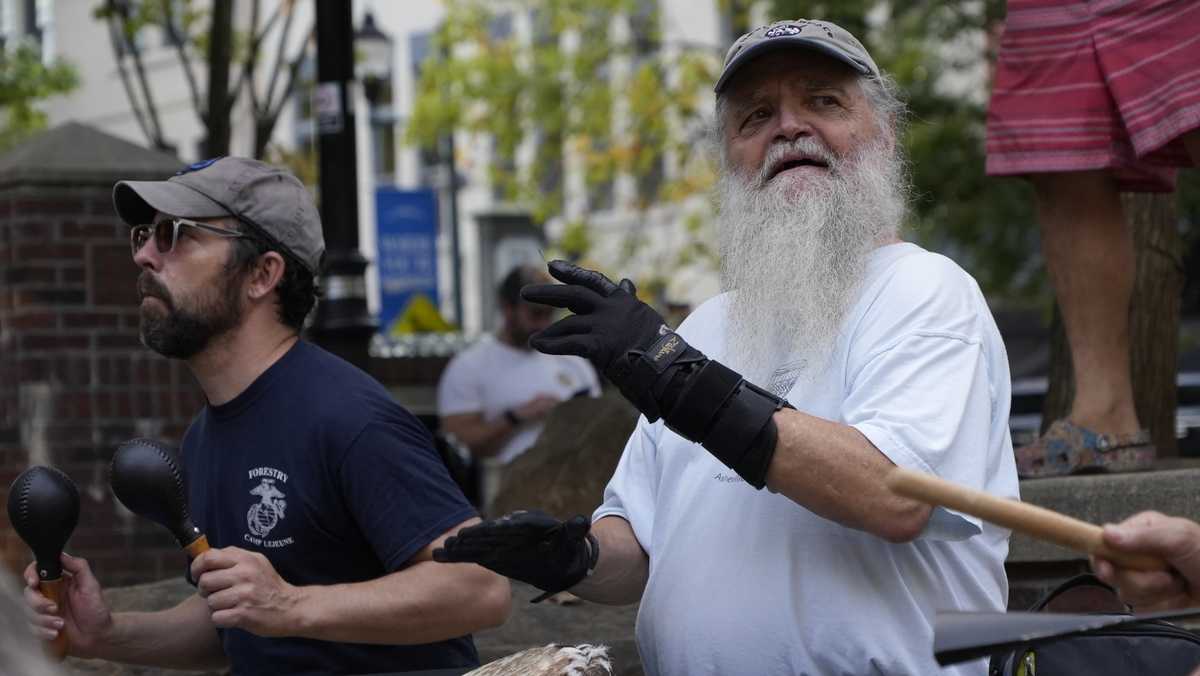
318,469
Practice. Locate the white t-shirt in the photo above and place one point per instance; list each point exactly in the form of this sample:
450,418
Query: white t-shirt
749,582
492,376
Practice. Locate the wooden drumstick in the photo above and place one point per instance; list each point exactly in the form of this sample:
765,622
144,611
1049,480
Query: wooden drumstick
1022,517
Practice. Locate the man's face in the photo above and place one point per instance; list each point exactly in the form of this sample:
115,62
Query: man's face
188,295
785,96
810,184
525,319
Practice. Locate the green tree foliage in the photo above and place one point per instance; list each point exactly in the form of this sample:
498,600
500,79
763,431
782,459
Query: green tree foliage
25,80
512,90
927,45
576,88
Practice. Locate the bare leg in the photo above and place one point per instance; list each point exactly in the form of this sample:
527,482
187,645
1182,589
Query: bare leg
1089,255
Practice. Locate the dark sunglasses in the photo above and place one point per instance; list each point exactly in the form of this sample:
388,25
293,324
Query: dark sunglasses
166,232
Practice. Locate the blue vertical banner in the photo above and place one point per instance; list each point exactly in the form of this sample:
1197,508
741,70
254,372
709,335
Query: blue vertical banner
407,225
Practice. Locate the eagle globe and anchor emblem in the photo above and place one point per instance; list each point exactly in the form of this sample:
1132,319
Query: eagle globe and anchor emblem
266,513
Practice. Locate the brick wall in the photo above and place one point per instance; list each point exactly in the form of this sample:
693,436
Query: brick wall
74,379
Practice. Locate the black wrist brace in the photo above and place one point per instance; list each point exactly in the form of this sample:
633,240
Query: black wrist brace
706,402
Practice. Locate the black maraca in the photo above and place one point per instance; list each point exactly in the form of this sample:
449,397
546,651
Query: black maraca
43,505
147,478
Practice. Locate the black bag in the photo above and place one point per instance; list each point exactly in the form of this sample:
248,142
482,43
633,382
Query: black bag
1149,647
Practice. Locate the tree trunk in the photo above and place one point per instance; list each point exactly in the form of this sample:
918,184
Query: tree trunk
1154,324
220,53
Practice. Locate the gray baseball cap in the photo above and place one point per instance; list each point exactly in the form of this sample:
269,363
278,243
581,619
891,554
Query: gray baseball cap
267,198
822,36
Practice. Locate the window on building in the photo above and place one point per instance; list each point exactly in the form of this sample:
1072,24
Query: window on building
650,181
33,27
383,151
548,168
644,26
419,48
501,27
6,23
427,168
173,27
601,185
305,126
543,28
306,78
501,166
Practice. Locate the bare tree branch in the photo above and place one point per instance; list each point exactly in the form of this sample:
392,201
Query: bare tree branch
250,65
279,55
293,72
129,45
249,74
185,59
116,36
266,123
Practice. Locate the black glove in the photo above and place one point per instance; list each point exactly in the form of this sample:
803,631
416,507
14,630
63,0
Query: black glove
654,368
611,328
532,547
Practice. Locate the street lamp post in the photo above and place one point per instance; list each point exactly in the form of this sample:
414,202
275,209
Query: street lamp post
343,323
374,48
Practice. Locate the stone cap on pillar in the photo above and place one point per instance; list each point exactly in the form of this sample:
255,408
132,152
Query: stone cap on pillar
75,154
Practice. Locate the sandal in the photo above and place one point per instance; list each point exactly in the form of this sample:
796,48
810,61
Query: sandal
1067,448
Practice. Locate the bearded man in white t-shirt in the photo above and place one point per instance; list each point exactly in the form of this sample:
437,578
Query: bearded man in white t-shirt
836,353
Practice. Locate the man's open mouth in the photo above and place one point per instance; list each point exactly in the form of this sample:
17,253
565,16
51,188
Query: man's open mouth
789,163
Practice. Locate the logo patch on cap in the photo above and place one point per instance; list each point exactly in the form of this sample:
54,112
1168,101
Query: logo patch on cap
786,29
196,166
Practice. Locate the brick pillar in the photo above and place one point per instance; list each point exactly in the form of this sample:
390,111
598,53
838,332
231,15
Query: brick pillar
74,379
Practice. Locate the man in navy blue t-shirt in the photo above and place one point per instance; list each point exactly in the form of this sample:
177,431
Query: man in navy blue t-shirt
323,498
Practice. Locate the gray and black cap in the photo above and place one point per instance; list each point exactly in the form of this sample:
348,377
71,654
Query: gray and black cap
266,198
821,36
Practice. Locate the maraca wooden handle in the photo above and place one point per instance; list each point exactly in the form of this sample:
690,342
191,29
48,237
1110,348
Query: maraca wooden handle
52,589
1034,521
197,546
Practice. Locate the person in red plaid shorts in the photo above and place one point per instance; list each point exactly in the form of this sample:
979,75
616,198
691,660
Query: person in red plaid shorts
1094,97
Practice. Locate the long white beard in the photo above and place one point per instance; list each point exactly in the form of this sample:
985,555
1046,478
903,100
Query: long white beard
793,255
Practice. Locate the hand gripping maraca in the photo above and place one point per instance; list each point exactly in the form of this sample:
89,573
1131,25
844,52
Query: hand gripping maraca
43,505
147,478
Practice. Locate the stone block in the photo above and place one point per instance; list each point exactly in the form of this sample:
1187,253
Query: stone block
1105,498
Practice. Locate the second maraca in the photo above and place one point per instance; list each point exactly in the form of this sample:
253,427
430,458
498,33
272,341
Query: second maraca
43,505
147,478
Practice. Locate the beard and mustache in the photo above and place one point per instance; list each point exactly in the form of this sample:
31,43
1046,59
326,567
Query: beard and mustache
794,253
182,332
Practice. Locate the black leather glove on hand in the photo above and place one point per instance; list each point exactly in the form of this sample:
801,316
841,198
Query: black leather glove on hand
532,547
664,377
611,327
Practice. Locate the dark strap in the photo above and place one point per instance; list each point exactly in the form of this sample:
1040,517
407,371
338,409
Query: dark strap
1096,592
642,377
744,436
706,393
730,417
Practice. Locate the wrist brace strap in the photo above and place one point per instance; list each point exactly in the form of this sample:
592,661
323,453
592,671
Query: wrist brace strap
730,417
706,402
